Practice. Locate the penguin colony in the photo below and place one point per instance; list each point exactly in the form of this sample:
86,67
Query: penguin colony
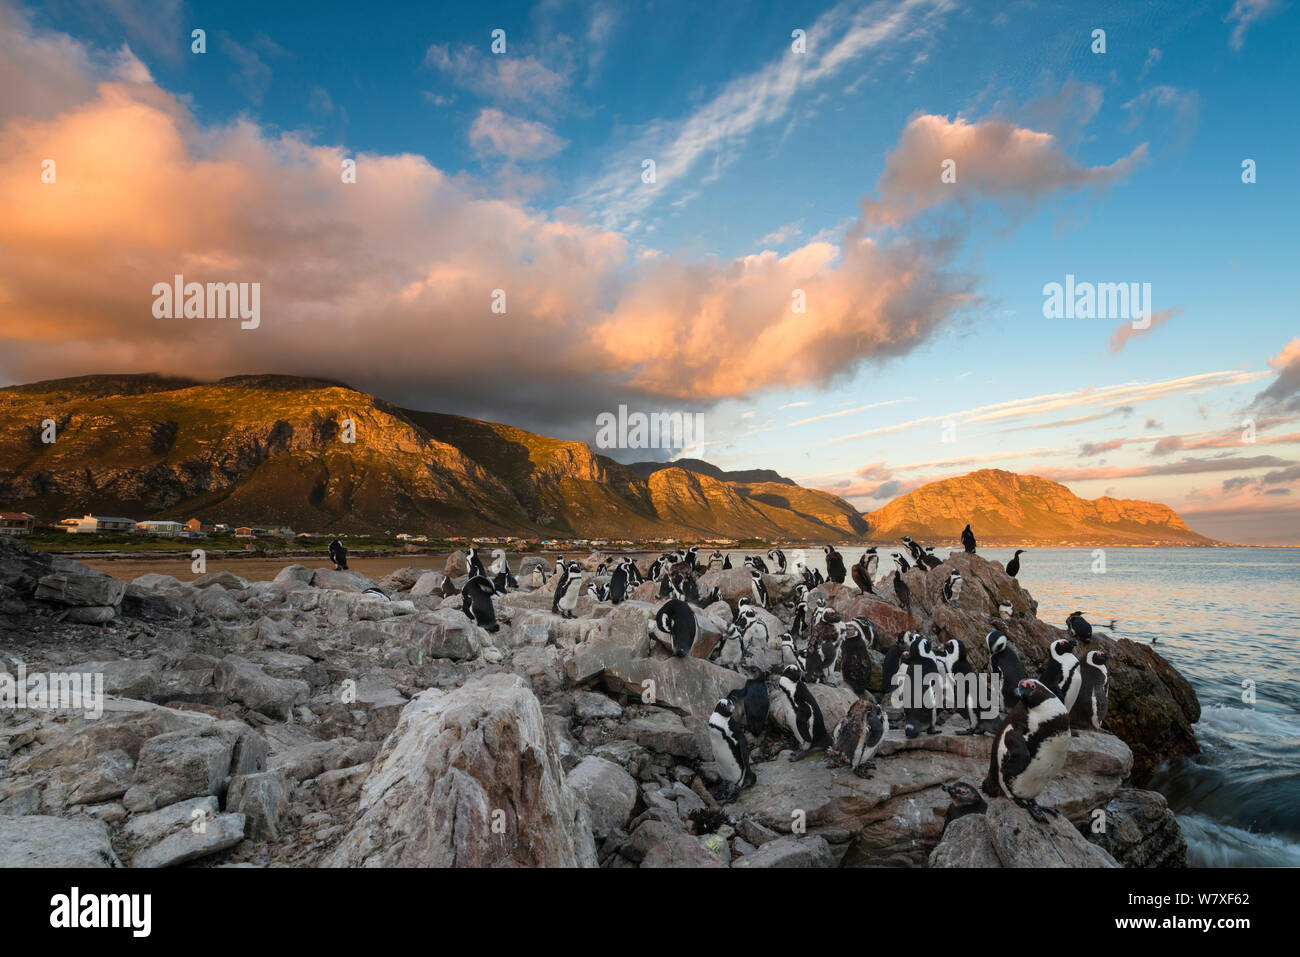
1029,742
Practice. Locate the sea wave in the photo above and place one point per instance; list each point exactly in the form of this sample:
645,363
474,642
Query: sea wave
1225,720
1214,844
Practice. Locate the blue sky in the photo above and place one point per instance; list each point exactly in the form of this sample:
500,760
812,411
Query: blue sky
759,151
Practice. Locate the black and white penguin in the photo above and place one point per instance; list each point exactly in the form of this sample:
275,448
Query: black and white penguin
798,563
790,654
800,714
902,591
817,578
598,591
902,563
476,603
823,648
1013,566
338,555
732,650
921,708
834,564
712,598
1005,608
448,587
618,583
966,692
475,564
378,593
730,749
756,562
862,572
1061,676
892,675
930,559
676,621
567,591
1030,748
965,800
858,737
1089,709
778,560
758,588
968,539
799,623
1078,627
502,577
952,586
753,701
914,548
858,637
1006,665
726,562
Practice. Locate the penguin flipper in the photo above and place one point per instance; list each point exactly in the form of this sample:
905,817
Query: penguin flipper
1017,753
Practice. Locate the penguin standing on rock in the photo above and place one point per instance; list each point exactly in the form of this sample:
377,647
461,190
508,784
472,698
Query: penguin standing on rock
965,800
1078,627
778,560
968,540
858,737
476,603
921,707
1061,676
914,548
834,564
502,578
618,583
1030,748
824,648
892,676
338,555
475,564
952,586
730,748
567,591
753,700
1013,566
1005,663
1089,709
799,713
758,588
676,621
859,636
903,564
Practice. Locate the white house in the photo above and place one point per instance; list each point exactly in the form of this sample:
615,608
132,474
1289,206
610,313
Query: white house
165,529
101,525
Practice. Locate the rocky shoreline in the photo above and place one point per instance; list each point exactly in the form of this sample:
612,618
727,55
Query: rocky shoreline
301,722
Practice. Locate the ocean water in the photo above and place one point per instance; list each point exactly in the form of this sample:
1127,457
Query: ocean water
1229,620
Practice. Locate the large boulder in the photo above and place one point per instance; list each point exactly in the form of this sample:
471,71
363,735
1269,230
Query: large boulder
71,588
193,763
469,778
608,791
1139,830
40,841
241,680
1007,836
341,580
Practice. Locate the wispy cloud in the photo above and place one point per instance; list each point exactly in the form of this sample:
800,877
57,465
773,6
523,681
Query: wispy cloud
1246,12
1126,331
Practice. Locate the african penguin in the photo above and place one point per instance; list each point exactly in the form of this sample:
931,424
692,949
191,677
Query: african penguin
1078,627
892,675
618,583
800,710
965,800
1061,676
476,603
1005,608
902,591
824,648
1006,665
916,550
1030,748
752,696
859,637
778,560
502,577
730,748
377,592
1089,709
676,621
568,590
903,563
858,737
930,559
338,555
952,586
921,706
862,573
475,564
968,539
757,587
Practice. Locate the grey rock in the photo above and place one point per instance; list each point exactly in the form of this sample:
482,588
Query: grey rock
263,799
807,851
72,588
41,841
608,791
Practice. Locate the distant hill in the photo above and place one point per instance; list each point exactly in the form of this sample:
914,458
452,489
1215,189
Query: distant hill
270,449
1005,508
700,467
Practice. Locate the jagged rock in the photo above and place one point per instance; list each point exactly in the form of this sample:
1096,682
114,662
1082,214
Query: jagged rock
608,791
430,583
262,798
182,832
340,580
241,680
457,764
592,705
215,601
126,677
445,633
1016,840
185,764
810,851
680,850
313,758
33,840
138,602
457,565
291,574
1139,830
103,778
72,588
90,614
666,733
896,815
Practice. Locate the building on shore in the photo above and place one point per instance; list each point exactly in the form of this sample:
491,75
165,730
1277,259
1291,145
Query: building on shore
162,529
17,523
99,525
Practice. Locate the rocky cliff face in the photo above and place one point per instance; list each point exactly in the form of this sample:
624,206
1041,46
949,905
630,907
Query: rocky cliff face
1004,507
274,450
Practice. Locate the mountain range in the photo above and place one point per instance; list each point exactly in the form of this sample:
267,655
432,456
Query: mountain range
271,449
